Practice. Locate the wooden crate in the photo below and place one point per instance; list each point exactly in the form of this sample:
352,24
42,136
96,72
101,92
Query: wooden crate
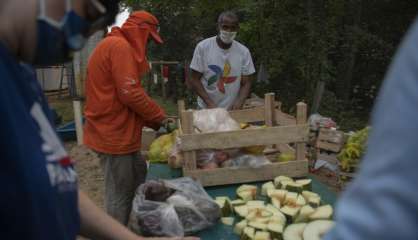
281,130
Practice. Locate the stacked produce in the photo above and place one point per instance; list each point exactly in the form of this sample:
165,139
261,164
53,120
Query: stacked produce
291,211
353,150
162,147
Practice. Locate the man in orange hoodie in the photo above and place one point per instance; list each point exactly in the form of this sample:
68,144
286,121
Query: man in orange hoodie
117,108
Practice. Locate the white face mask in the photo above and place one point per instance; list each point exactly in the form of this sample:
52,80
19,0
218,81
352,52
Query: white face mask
227,37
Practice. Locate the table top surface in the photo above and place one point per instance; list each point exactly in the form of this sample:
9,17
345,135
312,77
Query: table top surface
221,231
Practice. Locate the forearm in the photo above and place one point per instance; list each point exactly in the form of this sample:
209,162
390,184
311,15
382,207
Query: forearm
96,224
244,92
197,86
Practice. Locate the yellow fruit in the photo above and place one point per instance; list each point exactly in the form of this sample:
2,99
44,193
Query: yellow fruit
286,157
256,150
244,125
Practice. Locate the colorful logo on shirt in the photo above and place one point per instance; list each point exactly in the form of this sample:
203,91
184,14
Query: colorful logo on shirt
58,164
221,77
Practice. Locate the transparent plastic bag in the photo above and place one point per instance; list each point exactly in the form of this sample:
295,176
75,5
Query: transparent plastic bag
246,160
186,210
214,120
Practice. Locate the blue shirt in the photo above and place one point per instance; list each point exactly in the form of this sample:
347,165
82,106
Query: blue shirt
382,202
38,185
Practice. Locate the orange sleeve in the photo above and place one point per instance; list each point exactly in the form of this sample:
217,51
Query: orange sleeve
125,73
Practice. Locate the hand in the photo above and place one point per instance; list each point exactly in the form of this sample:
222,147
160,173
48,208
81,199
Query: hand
169,124
237,105
211,105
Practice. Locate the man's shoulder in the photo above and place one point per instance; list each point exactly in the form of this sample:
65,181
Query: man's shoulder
114,42
206,42
241,47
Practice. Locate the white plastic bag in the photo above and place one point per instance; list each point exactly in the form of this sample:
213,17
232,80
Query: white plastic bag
178,207
214,120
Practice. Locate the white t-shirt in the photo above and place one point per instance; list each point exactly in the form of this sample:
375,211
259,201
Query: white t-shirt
222,70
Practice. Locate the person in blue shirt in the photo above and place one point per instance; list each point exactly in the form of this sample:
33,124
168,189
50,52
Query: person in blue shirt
382,202
39,197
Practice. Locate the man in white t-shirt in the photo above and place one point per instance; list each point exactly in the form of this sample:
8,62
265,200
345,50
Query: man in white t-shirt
222,67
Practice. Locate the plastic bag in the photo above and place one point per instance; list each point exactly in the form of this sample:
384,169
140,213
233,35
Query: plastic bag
209,159
214,120
245,160
173,208
317,121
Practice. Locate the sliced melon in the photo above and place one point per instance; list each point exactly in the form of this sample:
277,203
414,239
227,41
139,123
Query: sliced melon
277,215
317,229
239,227
228,221
248,233
284,184
293,186
255,203
304,214
294,231
291,198
262,214
314,202
309,194
277,193
322,212
279,179
305,183
266,186
260,235
225,206
276,230
258,225
290,212
300,201
241,211
276,202
247,195
237,202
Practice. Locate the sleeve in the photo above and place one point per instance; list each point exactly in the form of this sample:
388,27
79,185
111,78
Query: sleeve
247,64
197,63
125,73
382,202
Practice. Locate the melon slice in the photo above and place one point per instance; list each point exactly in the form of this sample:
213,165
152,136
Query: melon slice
317,229
294,231
322,212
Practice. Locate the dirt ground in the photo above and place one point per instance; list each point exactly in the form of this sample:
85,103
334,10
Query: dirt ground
89,172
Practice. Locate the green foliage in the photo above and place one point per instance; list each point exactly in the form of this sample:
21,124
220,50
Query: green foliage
346,44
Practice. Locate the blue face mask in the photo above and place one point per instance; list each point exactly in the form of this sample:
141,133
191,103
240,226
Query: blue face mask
57,41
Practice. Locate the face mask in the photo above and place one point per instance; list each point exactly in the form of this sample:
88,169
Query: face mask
58,40
227,37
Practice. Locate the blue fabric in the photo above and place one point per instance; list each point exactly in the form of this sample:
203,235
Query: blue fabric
382,203
38,185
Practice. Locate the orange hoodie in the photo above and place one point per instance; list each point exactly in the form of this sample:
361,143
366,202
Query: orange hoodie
117,107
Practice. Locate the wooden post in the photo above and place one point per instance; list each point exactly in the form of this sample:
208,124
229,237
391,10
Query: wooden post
78,119
269,109
300,120
164,93
187,127
181,107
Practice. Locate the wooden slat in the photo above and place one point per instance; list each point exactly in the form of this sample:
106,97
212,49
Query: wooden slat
284,119
248,115
187,127
269,115
244,138
285,148
333,147
225,176
301,117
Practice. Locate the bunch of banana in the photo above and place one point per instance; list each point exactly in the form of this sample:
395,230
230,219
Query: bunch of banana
353,150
